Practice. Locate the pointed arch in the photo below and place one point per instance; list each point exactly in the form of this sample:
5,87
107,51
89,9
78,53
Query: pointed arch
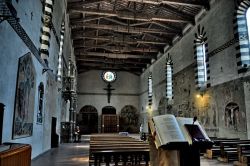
202,71
87,120
242,36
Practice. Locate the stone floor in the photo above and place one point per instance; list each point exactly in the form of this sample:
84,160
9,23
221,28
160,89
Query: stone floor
76,154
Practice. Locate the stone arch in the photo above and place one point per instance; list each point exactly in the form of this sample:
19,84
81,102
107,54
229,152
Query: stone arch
108,110
202,79
87,120
241,36
129,119
232,116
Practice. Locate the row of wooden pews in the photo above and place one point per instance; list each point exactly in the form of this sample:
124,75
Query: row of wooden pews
230,149
115,149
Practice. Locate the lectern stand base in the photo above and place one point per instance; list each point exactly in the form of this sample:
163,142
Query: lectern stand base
190,156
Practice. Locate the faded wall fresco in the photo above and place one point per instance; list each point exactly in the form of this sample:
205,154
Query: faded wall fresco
129,119
25,95
220,109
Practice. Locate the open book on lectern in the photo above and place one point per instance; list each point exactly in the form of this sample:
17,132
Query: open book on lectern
176,132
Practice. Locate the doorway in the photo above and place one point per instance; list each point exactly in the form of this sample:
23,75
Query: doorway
110,121
87,120
54,136
1,121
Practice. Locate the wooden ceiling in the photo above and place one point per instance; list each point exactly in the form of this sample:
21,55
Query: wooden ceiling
125,35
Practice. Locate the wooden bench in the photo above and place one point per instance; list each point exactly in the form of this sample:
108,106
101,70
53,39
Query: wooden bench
229,150
117,150
243,155
12,154
215,151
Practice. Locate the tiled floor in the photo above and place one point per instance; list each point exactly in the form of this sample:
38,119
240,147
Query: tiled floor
77,154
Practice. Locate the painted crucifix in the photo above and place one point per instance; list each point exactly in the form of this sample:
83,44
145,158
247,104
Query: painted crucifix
109,90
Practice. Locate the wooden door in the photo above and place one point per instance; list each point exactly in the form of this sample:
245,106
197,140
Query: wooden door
110,123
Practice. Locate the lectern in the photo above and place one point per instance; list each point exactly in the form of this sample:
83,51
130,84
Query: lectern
176,141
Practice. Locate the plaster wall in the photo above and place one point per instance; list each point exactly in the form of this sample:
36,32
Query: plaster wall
11,49
91,91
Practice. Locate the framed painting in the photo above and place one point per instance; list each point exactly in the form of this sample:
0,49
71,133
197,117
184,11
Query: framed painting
25,98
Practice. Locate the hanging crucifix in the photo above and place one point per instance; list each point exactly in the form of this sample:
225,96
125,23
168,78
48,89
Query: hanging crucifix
109,90
109,77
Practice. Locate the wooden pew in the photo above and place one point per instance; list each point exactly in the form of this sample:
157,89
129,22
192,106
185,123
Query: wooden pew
115,149
243,155
15,154
215,151
231,153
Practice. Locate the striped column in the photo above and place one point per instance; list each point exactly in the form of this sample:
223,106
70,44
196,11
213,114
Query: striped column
59,73
150,89
241,33
169,78
45,30
202,71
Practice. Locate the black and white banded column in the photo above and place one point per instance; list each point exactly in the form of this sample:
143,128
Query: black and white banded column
45,30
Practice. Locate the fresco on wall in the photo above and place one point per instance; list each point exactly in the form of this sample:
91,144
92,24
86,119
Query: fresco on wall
232,116
129,118
24,100
219,107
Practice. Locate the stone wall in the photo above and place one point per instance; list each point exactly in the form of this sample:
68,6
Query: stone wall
227,86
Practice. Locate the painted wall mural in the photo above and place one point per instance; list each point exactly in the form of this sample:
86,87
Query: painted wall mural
24,100
220,109
129,119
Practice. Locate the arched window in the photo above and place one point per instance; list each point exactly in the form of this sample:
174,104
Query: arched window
202,61
248,22
46,28
150,89
40,103
169,78
242,33
60,64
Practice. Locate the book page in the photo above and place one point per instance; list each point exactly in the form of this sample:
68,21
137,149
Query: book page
167,129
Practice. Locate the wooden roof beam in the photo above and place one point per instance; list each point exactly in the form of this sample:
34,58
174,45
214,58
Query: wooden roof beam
84,3
82,69
127,65
116,61
129,15
117,49
119,28
198,3
113,55
86,19
119,40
